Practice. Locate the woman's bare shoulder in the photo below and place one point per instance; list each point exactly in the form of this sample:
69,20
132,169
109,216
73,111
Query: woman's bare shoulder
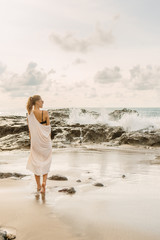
46,113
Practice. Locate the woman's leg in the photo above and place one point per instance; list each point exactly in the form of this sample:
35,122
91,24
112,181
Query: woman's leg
44,183
38,182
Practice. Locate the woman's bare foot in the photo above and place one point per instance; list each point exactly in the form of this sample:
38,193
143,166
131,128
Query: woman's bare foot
43,189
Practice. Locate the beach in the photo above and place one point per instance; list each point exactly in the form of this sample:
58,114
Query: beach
126,207
79,109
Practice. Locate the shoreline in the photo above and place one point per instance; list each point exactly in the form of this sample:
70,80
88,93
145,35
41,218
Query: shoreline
93,146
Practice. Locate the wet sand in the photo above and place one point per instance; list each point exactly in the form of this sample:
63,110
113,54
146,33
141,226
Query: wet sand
30,217
125,208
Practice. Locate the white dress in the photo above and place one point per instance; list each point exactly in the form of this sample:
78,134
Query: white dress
40,156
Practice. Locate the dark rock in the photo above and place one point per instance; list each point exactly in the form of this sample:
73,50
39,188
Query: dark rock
55,132
78,180
6,236
98,185
68,190
140,138
15,141
94,134
5,130
73,133
10,236
117,114
58,178
114,132
123,176
7,175
3,235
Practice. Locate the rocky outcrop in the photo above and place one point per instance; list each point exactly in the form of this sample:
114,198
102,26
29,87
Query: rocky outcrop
58,178
98,185
68,190
141,138
8,174
117,114
103,133
6,236
78,180
14,133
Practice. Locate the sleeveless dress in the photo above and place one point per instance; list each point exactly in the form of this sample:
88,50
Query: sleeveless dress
40,156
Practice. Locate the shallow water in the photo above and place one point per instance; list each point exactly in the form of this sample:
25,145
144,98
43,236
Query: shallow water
108,164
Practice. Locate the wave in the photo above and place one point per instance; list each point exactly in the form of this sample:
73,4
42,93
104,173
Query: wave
129,121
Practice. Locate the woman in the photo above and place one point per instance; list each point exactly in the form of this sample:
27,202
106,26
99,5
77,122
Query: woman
40,157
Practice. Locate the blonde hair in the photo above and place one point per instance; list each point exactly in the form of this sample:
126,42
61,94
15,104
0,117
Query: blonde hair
31,101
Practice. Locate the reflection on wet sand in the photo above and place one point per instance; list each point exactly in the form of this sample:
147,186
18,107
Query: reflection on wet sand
41,196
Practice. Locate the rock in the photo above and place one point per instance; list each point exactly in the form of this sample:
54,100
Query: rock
7,175
98,185
11,236
73,133
68,190
15,141
78,180
140,138
117,114
123,176
90,178
3,235
55,132
58,178
98,134
114,132
6,236
94,134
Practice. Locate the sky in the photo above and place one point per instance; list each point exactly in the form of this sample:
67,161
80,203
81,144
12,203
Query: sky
79,53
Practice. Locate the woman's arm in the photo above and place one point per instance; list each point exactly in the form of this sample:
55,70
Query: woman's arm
48,120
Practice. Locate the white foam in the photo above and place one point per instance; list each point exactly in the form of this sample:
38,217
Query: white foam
130,122
133,122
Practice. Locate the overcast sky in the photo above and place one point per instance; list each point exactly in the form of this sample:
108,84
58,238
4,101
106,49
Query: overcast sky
80,53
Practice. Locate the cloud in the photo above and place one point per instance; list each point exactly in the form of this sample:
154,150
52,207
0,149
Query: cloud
32,76
79,61
69,42
146,78
81,84
108,75
91,93
2,68
63,75
52,71
21,84
116,17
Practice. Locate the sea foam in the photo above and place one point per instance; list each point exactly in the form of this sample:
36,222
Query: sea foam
130,122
